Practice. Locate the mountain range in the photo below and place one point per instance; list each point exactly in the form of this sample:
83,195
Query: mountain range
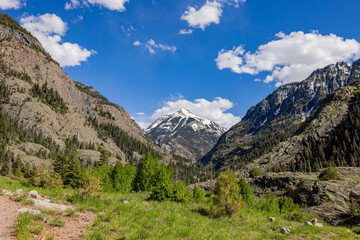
271,131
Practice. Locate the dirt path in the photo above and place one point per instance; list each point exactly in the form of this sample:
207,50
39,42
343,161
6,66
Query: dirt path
74,228
8,215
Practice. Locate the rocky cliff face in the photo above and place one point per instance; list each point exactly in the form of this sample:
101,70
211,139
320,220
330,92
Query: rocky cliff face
276,118
185,134
25,64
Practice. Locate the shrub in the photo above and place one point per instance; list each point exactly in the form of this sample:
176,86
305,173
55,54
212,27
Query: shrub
246,192
180,193
226,199
255,172
164,184
89,183
199,194
329,173
286,204
270,204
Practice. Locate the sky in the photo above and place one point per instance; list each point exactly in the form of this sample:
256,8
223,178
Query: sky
217,58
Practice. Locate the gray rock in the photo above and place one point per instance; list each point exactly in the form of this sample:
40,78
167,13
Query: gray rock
7,192
308,224
318,224
284,229
30,211
272,219
33,194
126,202
19,191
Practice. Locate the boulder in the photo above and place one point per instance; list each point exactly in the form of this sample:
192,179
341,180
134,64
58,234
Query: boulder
284,229
7,192
30,211
19,192
33,194
47,205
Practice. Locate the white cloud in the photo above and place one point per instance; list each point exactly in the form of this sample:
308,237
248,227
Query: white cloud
291,58
137,43
209,13
186,31
213,110
116,5
12,4
140,113
49,30
151,45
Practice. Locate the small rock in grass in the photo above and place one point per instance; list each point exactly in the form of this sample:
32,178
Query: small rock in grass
30,211
318,224
126,202
146,203
19,191
308,224
314,221
7,192
284,229
33,194
272,219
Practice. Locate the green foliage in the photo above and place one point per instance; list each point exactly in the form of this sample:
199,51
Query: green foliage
123,177
246,192
226,199
163,184
146,173
27,224
270,204
43,178
103,173
89,183
180,193
286,205
69,169
255,172
199,194
329,173
50,97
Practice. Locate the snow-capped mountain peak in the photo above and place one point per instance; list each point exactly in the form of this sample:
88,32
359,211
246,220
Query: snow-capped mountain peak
184,125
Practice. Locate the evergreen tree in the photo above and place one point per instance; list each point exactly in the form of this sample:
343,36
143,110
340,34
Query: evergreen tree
145,174
163,187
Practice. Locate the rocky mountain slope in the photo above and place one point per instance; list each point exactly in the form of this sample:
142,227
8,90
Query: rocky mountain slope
185,134
276,118
42,99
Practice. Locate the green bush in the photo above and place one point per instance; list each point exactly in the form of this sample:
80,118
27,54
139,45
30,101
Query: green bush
246,192
226,199
270,204
255,172
329,173
199,194
180,193
286,205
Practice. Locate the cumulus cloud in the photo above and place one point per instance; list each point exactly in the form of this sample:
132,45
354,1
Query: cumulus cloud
116,5
49,30
207,14
290,58
213,110
186,31
12,4
151,45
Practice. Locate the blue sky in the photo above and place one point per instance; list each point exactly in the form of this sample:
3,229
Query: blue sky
236,52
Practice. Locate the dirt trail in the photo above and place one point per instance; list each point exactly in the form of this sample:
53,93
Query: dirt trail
74,228
8,214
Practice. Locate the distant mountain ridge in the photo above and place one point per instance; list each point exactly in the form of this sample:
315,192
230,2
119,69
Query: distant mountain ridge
185,134
277,117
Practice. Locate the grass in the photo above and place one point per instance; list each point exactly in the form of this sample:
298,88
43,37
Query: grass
28,224
144,219
57,223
